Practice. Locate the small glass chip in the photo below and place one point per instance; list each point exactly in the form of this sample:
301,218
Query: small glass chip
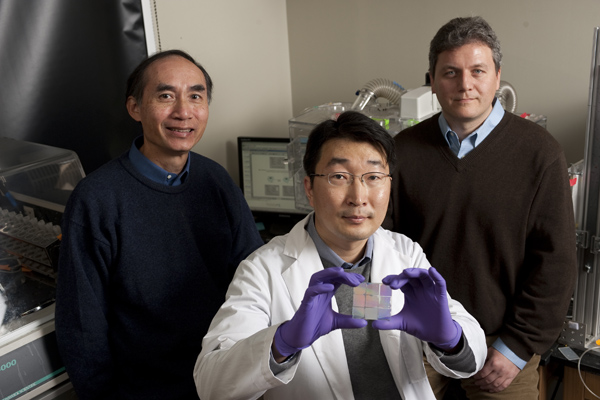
372,301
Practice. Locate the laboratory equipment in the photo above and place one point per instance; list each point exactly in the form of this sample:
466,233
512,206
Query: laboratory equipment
419,104
264,174
299,129
267,184
378,88
507,96
380,99
582,329
35,183
379,109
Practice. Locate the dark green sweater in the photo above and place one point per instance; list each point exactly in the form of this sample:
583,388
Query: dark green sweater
497,224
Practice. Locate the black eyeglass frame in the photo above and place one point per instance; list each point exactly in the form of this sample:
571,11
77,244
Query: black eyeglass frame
384,175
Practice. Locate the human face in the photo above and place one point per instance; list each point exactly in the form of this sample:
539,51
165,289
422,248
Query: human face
345,217
465,83
173,110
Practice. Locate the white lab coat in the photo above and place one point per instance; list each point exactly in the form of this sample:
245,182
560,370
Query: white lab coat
266,291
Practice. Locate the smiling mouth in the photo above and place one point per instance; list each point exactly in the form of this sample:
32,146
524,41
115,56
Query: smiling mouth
181,133
180,130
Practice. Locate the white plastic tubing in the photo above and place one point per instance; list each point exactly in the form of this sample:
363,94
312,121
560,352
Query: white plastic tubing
379,87
507,96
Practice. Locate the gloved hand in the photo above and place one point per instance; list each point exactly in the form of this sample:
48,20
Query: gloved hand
425,314
315,317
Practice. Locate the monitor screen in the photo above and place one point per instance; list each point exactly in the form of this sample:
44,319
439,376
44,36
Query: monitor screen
264,175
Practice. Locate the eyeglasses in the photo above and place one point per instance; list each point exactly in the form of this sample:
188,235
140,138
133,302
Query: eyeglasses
370,179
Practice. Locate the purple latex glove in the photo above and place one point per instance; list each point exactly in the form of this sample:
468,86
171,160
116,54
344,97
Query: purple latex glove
315,317
425,314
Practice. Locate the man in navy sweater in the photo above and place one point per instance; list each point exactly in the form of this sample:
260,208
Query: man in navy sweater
150,243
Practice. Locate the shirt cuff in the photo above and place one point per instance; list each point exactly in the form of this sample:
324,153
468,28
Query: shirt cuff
277,368
508,353
463,361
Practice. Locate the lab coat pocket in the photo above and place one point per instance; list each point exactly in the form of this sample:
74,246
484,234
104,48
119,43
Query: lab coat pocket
404,356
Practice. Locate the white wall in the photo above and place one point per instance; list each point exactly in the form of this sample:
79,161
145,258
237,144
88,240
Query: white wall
243,44
267,55
336,46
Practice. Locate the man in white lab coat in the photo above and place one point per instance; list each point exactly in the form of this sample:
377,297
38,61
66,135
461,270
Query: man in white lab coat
285,330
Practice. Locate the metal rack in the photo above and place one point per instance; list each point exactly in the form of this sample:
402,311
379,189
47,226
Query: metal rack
583,328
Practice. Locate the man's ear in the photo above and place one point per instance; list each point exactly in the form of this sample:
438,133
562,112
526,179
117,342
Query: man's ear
308,190
498,78
431,82
133,108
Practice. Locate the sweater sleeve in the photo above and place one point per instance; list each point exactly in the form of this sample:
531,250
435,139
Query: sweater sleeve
246,236
545,283
81,309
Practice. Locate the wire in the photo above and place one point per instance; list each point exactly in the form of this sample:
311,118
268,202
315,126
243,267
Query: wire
579,370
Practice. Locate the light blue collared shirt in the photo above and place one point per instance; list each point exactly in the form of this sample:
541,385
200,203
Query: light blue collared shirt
153,171
463,148
329,255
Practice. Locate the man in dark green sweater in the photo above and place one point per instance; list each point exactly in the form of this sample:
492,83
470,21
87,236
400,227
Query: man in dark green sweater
486,194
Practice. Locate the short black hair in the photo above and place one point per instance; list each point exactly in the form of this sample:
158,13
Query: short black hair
137,80
461,31
351,125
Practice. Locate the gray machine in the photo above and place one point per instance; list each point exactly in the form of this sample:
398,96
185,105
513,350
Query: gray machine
35,183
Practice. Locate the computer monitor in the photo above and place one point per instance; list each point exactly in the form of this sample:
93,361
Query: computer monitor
265,178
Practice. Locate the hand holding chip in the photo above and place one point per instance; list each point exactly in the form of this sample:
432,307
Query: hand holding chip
315,317
425,314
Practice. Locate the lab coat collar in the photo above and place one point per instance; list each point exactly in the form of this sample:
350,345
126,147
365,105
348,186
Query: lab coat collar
328,349
387,259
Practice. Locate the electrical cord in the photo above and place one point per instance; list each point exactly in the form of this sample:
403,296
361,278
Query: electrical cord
579,370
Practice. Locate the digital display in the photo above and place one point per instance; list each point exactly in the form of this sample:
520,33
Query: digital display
264,175
29,367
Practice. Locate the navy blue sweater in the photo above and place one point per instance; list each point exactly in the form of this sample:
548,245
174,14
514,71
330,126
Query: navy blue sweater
143,269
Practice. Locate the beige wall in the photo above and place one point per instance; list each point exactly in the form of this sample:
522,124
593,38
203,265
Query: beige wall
243,45
270,59
336,46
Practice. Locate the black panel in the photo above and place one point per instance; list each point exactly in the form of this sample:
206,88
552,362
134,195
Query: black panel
63,68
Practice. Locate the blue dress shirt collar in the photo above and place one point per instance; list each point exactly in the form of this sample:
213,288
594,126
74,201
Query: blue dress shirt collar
329,255
153,171
461,149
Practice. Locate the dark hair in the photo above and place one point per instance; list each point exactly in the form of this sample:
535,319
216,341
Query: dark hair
459,32
137,80
350,125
